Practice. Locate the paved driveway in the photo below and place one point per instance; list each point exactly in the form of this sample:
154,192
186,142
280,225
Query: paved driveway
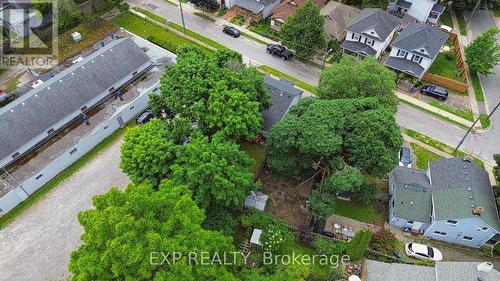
37,245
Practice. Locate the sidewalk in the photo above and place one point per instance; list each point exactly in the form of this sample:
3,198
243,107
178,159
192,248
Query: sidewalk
433,109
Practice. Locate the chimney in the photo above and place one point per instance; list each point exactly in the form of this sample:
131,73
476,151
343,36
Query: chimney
485,267
477,211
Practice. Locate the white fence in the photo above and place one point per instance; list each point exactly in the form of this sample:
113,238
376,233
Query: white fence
122,115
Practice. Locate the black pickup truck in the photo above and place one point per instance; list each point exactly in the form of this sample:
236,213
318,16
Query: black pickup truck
279,51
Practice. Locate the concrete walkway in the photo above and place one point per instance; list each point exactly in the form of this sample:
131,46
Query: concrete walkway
433,109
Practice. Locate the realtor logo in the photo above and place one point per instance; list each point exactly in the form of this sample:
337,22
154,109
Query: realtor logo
28,33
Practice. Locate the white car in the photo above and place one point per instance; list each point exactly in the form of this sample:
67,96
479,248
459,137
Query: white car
446,28
423,252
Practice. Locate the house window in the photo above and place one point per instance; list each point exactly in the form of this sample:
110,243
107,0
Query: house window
402,53
356,37
393,202
452,222
440,233
410,222
417,59
370,42
468,238
482,228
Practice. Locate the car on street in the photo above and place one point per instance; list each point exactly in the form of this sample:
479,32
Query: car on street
231,31
423,252
405,157
437,92
279,51
144,117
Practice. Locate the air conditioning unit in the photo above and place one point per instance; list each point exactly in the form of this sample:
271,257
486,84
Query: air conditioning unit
485,267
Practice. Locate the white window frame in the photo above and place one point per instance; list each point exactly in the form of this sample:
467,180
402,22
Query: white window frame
402,53
368,42
416,58
440,233
356,36
452,223
464,238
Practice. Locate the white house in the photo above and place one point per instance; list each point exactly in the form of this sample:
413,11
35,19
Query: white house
370,32
423,10
416,48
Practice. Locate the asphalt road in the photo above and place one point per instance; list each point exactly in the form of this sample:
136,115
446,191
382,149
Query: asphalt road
37,245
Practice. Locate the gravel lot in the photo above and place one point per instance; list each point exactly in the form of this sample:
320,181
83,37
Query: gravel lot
37,245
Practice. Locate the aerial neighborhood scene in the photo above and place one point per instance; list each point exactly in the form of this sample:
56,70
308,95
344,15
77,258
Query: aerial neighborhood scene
250,140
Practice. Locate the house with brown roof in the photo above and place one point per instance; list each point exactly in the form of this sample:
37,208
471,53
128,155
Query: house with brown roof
337,17
288,8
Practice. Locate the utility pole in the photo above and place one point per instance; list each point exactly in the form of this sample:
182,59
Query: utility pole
473,11
182,16
472,126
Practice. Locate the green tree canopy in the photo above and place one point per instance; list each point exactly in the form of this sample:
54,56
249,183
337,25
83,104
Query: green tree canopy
484,52
350,79
304,31
125,228
149,150
216,171
359,132
218,93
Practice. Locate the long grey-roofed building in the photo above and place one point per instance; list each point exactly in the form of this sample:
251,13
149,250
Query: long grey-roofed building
284,95
37,115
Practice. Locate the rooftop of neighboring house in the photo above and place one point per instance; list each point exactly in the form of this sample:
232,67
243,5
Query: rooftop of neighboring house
337,17
288,7
255,6
282,93
422,39
27,120
374,23
457,185
442,271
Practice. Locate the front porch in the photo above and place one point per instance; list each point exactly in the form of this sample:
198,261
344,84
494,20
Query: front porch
248,15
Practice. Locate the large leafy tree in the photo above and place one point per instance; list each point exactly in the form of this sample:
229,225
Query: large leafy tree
484,52
216,171
350,79
304,31
149,150
327,133
218,93
125,229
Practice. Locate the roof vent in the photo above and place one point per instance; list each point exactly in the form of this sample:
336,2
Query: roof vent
485,267
477,211
469,189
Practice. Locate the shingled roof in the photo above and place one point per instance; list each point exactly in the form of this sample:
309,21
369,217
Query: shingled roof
418,36
380,21
27,121
288,7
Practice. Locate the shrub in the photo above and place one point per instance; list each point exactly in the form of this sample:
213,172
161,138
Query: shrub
367,193
325,246
497,248
220,219
238,20
384,241
357,246
169,45
123,7
274,236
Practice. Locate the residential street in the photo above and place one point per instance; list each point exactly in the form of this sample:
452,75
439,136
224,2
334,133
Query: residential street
483,146
37,245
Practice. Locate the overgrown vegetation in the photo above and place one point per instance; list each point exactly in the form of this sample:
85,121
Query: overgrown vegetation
357,246
263,28
446,65
384,241
423,156
301,84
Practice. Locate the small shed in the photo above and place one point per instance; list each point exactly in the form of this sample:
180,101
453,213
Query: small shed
76,36
256,200
255,239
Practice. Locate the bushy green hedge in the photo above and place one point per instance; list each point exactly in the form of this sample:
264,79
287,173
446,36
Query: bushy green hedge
166,44
357,246
328,247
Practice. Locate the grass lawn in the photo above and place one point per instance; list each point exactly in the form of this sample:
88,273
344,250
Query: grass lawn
64,175
446,18
238,20
424,156
91,31
441,146
476,84
257,152
145,29
435,114
191,33
357,211
301,84
12,87
461,22
485,121
446,66
465,114
264,28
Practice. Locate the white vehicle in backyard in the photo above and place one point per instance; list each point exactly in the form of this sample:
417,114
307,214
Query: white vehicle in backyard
423,252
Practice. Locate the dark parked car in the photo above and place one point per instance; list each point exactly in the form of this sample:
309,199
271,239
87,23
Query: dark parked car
231,31
145,116
435,91
279,51
405,157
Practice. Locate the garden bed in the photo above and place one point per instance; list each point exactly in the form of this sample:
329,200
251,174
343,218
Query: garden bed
263,28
